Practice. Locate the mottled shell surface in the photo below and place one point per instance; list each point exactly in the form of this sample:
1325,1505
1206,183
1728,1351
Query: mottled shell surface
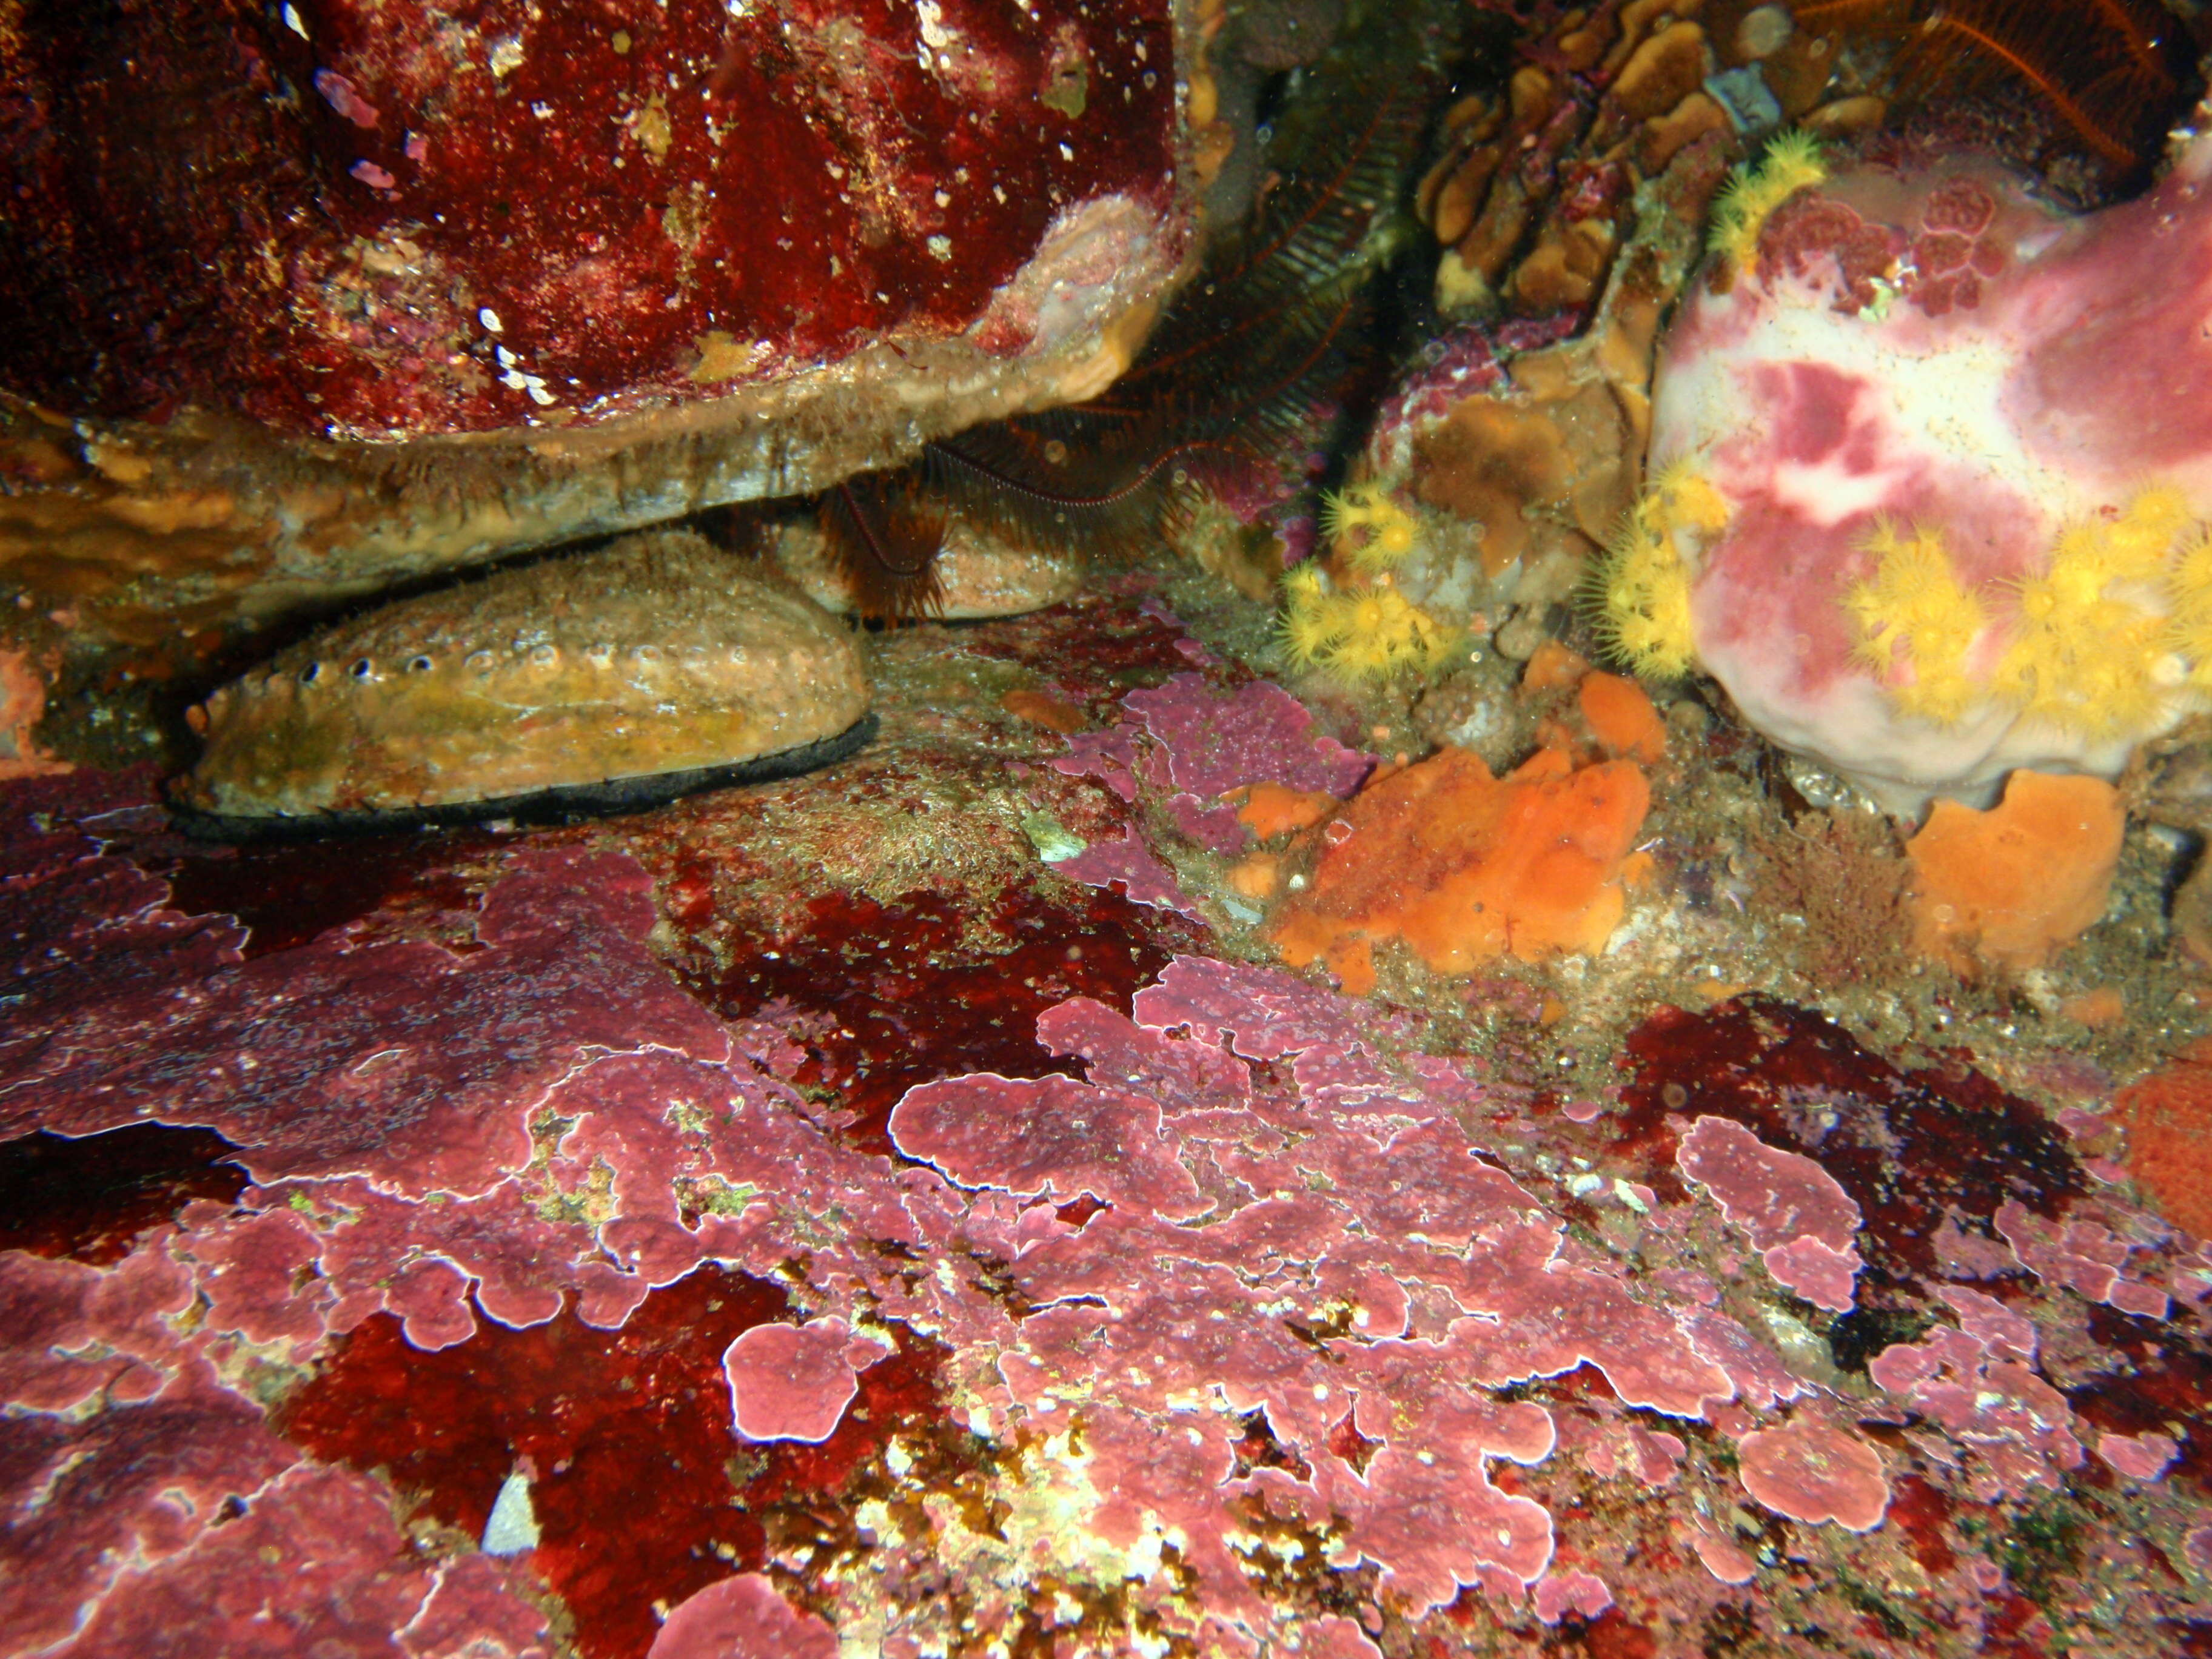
656,654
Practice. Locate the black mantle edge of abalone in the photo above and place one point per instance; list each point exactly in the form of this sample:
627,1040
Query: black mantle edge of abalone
566,804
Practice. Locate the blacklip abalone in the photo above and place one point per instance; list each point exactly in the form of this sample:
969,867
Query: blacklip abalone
651,667
302,301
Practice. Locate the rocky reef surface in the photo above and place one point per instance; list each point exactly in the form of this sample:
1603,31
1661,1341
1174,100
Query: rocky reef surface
1277,1106
912,1210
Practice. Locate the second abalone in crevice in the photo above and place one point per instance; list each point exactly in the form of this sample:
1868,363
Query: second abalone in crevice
653,667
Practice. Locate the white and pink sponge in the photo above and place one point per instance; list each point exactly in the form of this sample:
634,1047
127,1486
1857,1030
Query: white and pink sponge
1930,465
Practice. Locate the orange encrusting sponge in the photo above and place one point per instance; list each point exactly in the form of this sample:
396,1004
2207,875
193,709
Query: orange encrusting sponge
1466,867
2007,888
2168,1117
1269,810
1621,718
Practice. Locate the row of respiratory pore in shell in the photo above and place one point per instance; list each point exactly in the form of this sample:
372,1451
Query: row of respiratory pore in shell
511,685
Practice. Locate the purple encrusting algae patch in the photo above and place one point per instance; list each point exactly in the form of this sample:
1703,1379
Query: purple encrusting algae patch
1219,741
1187,745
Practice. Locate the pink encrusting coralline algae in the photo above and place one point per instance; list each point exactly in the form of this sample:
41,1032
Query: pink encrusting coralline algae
1257,1328
1798,1217
1931,466
1284,1221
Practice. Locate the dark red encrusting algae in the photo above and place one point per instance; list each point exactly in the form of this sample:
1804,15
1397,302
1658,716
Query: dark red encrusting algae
1095,637
641,1490
904,992
1923,1515
2159,1378
287,894
1912,1148
89,1198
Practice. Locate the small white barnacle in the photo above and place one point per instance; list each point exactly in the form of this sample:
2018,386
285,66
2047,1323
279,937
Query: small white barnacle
545,656
645,653
481,662
600,654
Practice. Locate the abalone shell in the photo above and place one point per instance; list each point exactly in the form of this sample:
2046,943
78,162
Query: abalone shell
652,666
388,219
302,299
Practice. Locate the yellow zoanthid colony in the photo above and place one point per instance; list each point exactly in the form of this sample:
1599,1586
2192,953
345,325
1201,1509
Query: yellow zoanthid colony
1363,631
2114,630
